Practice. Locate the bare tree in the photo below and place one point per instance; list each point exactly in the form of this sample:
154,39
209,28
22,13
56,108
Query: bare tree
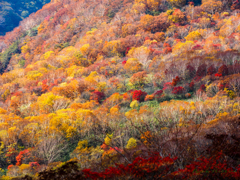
2,45
29,22
50,148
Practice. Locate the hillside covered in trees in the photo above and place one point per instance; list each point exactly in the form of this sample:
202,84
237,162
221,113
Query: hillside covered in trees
130,89
13,11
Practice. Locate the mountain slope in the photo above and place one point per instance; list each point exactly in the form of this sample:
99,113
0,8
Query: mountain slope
13,11
100,82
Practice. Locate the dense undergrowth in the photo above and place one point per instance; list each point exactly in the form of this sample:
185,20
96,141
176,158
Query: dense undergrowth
133,89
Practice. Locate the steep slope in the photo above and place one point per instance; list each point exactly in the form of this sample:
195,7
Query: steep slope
101,82
13,11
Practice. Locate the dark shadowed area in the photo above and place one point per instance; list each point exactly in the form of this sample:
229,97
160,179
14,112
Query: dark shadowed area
13,11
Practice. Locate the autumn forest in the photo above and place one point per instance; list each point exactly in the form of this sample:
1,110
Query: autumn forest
122,89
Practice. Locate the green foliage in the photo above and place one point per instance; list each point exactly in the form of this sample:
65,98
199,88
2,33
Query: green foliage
33,32
230,93
65,155
61,45
21,63
151,104
111,13
153,13
7,54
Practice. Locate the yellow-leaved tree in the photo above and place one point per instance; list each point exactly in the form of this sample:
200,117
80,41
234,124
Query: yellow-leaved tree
132,143
140,53
211,6
192,36
49,102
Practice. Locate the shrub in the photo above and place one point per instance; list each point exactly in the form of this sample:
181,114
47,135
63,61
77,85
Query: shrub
218,75
190,72
201,71
98,96
211,70
131,143
178,90
139,95
7,54
202,87
191,86
154,167
158,94
208,168
223,70
176,80
167,87
134,104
